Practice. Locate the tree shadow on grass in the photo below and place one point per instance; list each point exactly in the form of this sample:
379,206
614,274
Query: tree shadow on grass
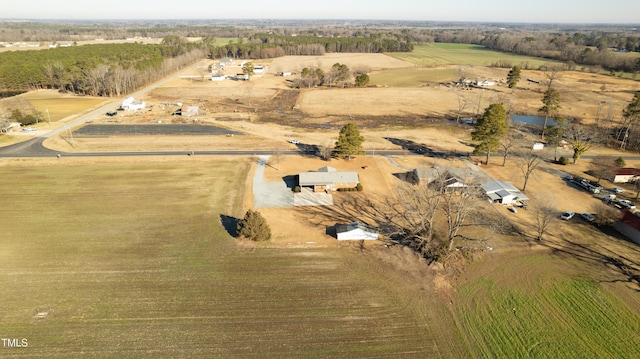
230,224
627,266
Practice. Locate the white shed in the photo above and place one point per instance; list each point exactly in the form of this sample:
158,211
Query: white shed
355,231
131,104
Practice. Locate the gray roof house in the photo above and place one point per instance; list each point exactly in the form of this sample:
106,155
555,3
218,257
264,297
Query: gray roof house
454,177
328,179
503,192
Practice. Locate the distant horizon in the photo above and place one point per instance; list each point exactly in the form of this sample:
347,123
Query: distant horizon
622,12
101,20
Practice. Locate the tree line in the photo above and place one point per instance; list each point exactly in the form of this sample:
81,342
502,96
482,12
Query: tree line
97,70
274,45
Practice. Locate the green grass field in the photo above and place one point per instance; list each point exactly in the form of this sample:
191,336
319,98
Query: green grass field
537,307
438,54
412,77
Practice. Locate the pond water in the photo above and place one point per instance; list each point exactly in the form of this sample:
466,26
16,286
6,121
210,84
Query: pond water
531,120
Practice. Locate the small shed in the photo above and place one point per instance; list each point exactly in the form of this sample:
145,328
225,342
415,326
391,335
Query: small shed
131,104
356,231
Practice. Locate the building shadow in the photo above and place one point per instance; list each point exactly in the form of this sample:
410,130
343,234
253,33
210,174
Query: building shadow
290,181
230,224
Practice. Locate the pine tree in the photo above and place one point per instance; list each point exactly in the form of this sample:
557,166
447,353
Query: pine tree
349,142
489,129
551,104
253,226
513,77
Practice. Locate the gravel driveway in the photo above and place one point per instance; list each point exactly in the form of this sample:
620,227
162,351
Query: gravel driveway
269,194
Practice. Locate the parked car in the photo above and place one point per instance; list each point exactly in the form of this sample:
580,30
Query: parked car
567,215
111,113
513,209
626,204
617,190
609,198
294,141
588,217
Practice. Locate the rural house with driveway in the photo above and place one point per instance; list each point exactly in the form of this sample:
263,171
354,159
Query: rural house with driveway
327,179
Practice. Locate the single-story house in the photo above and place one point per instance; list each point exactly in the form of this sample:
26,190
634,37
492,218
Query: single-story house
503,192
131,104
328,179
192,111
625,175
258,70
356,231
454,177
226,61
629,226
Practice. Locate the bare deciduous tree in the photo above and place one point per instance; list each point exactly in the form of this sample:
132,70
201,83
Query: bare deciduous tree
415,213
602,167
529,162
509,141
462,104
545,213
458,205
604,214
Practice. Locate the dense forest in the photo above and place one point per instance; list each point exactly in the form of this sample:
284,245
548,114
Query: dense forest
261,46
97,70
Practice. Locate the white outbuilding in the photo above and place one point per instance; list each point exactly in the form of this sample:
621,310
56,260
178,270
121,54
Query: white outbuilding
131,104
356,231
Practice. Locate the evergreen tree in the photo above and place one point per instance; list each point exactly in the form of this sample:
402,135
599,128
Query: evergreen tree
349,142
551,104
362,80
489,129
513,77
253,226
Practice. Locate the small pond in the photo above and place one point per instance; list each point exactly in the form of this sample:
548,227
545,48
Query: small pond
531,120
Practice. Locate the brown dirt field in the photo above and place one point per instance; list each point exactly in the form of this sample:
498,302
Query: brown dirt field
288,224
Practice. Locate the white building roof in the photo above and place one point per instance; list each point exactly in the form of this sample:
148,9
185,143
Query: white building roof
356,231
327,178
497,190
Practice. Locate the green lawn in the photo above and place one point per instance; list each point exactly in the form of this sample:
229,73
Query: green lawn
437,54
532,308
412,77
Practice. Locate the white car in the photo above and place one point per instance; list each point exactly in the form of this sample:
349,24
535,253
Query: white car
588,217
294,141
567,215
617,190
626,204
